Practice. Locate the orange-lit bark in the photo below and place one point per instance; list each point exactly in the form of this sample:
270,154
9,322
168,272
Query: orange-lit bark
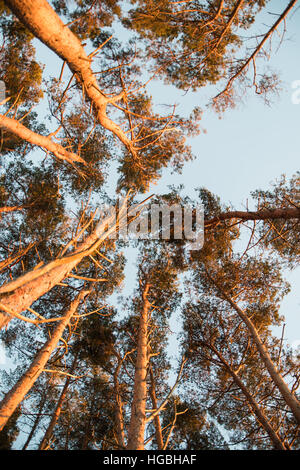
136,433
272,214
60,39
16,128
158,430
19,294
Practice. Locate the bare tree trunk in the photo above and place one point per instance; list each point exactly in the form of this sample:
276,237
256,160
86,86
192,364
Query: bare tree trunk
287,395
15,396
158,430
136,433
261,417
87,434
18,295
44,443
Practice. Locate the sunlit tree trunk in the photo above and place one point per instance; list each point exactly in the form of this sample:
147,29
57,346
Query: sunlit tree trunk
287,395
16,395
119,408
55,417
136,433
158,430
36,283
258,412
14,126
60,39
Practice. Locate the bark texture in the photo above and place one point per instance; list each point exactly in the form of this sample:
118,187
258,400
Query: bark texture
136,432
18,295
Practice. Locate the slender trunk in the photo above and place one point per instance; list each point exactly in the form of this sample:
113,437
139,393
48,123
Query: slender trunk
44,443
61,40
287,395
6,209
158,430
66,446
261,417
36,422
258,49
15,127
119,408
15,396
136,433
87,433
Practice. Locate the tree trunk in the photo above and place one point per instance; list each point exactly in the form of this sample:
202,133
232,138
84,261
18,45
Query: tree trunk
60,39
15,127
287,395
44,443
286,214
36,422
119,408
158,430
263,420
20,294
136,433
15,396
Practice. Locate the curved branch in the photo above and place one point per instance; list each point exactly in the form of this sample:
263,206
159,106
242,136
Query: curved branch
61,40
16,128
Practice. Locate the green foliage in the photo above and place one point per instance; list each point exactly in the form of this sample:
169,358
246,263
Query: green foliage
191,43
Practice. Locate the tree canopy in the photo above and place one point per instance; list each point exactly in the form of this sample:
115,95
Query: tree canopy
94,367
